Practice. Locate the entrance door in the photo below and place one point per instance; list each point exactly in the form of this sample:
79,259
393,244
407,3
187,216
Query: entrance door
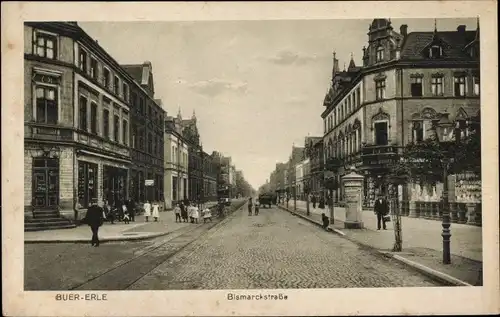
45,183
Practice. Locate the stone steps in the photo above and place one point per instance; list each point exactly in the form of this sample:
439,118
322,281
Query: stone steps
47,220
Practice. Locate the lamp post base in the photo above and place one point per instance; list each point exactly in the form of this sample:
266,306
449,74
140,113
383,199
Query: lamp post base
353,225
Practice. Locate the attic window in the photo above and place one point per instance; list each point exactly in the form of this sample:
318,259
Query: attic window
435,51
380,54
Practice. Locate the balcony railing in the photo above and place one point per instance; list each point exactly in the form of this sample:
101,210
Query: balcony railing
39,131
379,154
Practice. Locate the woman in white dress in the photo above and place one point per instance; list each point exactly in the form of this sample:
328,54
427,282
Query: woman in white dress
156,210
196,214
207,215
147,210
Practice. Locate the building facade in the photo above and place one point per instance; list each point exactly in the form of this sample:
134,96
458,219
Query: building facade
77,119
146,136
210,176
176,162
408,81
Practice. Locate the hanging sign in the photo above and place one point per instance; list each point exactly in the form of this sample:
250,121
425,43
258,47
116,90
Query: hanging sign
149,182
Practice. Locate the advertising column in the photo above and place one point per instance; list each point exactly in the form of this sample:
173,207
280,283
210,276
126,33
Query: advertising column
352,184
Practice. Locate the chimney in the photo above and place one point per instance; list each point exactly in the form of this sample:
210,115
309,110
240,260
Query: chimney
461,29
403,29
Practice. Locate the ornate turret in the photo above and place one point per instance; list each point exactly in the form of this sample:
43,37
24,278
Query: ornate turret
352,65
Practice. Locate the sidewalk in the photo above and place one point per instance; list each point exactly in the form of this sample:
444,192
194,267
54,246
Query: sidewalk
138,230
422,242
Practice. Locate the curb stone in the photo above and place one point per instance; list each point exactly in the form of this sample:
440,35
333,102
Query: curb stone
427,271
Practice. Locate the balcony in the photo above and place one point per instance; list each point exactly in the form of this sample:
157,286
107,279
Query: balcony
40,131
379,155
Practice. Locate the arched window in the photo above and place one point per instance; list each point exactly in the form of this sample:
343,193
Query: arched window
380,54
435,51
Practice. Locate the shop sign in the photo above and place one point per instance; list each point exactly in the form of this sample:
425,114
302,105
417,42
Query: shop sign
149,182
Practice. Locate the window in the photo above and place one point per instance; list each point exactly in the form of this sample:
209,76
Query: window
380,89
461,131
105,119
87,183
437,86
380,54
82,114
134,101
82,60
46,105
141,139
125,92
93,68
141,107
418,131
324,125
93,118
107,78
358,95
416,86
173,154
150,143
381,133
125,132
477,85
116,86
435,51
45,45
149,111
116,127
133,136
459,86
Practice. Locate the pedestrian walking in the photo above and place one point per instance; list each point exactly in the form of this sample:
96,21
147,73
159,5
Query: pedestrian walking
156,210
110,215
313,200
177,211
184,212
119,208
94,218
207,215
322,202
381,209
131,209
257,205
147,210
250,206
124,211
196,214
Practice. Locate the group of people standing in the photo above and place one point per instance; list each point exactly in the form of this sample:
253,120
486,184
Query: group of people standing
185,212
251,205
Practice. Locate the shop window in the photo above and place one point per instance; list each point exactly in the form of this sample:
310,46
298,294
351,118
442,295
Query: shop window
87,183
125,92
46,105
437,86
416,86
45,45
93,118
459,86
116,128
105,119
82,114
380,89
381,133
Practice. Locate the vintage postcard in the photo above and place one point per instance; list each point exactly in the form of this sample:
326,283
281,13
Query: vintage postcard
223,159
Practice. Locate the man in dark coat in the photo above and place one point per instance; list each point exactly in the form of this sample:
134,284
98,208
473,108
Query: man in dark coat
94,218
131,209
381,209
313,200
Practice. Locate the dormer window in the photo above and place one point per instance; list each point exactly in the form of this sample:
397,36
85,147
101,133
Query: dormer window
380,54
435,51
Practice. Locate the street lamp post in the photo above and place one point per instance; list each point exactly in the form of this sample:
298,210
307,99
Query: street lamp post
441,129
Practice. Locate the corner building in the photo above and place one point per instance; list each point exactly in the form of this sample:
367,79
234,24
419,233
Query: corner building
77,120
407,82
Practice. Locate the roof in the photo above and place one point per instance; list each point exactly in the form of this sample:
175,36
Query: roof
135,71
314,139
453,43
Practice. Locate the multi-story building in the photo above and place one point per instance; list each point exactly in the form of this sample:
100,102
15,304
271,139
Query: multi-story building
77,119
408,81
299,180
296,156
195,159
210,176
315,152
176,167
146,136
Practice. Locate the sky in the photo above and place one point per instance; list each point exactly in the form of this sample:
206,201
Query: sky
257,87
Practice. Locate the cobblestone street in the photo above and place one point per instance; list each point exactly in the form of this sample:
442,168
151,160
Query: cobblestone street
275,250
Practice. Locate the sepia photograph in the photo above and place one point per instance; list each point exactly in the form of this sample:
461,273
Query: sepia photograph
253,157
